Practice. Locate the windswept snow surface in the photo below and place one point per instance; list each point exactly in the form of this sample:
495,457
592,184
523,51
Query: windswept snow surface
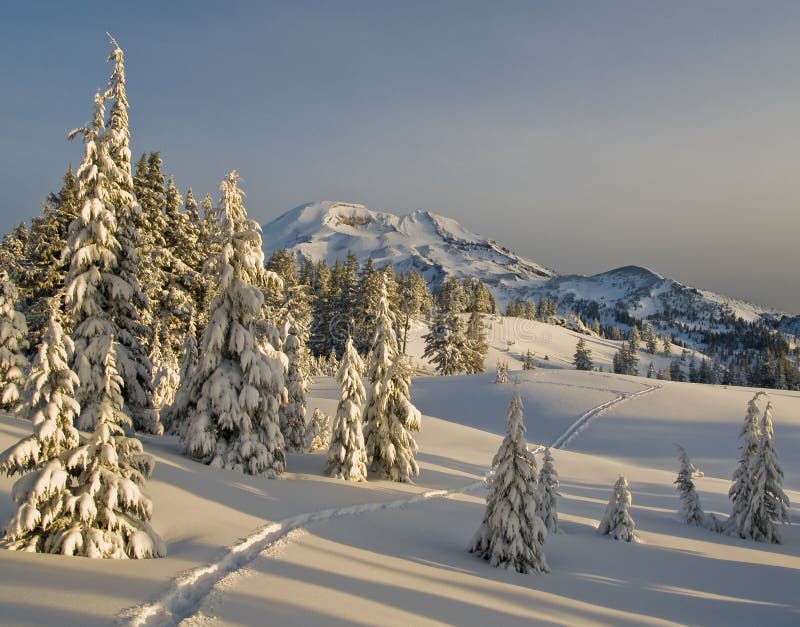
386,553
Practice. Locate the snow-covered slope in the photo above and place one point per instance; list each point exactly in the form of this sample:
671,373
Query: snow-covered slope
431,244
315,551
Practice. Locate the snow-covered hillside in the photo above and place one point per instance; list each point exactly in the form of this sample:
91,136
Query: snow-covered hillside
311,550
436,246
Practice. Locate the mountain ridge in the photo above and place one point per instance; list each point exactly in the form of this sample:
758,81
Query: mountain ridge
437,246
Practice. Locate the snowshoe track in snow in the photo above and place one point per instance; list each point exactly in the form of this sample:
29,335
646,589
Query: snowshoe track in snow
583,421
188,591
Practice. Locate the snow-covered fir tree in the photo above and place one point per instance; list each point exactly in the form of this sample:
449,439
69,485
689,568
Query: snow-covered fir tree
768,503
477,344
739,493
381,356
390,445
650,339
512,533
88,501
548,493
528,362
92,280
617,521
13,341
347,454
583,356
634,339
446,345
13,249
47,270
127,306
502,371
691,512
173,415
293,412
49,402
233,420
318,433
166,376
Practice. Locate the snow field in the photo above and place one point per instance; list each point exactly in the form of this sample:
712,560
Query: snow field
410,563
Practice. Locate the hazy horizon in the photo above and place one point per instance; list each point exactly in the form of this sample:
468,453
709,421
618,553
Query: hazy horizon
584,136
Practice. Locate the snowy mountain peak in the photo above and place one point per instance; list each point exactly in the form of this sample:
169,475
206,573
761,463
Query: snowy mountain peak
437,246
433,245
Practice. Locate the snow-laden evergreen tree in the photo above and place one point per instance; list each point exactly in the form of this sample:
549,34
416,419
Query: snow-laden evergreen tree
13,341
88,500
583,356
634,339
47,270
166,376
768,503
128,306
347,454
512,533
318,434
476,343
390,445
650,340
739,493
502,372
381,356
446,345
548,493
174,415
528,362
691,512
293,413
49,402
13,252
233,420
617,521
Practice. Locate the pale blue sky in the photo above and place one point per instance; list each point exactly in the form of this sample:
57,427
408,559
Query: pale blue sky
584,135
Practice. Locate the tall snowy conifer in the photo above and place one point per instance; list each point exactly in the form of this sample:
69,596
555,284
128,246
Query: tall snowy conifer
548,493
477,344
691,512
390,445
617,521
739,493
768,503
512,533
48,238
382,354
233,422
49,402
446,345
13,341
88,500
347,454
583,356
127,306
293,413
174,415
